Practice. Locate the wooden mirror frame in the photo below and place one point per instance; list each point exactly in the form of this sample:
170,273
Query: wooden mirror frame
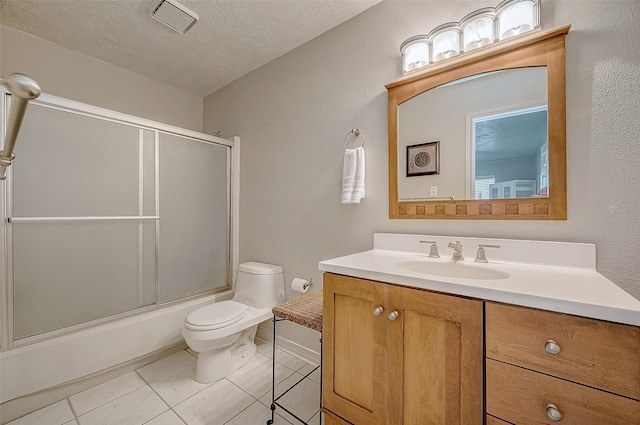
536,49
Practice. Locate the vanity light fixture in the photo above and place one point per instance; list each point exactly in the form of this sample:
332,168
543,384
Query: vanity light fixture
446,41
476,30
174,15
416,53
515,17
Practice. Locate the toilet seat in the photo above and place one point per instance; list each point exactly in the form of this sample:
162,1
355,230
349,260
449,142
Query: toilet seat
216,316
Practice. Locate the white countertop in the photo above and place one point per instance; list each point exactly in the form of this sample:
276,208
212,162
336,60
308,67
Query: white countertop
567,289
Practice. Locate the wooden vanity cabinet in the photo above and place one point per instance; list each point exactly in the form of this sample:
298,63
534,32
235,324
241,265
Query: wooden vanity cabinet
544,367
400,356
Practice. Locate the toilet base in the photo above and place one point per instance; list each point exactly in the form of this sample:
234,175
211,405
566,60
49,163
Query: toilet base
213,365
243,355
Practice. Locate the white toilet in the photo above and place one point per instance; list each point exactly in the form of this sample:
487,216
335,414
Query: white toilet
222,333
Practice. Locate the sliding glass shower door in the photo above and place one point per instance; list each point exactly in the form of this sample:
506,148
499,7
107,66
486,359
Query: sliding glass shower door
108,216
194,224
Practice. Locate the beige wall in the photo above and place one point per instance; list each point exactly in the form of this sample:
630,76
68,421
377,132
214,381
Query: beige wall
72,75
294,112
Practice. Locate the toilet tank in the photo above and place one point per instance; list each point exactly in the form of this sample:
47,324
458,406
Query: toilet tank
259,285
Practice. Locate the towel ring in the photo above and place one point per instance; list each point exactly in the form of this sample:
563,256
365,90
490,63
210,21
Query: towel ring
357,133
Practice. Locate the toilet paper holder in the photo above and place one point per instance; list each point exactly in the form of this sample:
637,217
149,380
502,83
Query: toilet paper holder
301,285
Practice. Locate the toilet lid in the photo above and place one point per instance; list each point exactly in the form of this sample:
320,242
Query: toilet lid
216,316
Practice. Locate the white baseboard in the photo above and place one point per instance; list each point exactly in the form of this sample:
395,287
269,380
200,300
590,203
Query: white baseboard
290,347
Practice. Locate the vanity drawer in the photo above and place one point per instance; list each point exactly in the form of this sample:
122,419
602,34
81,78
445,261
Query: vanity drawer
522,396
600,354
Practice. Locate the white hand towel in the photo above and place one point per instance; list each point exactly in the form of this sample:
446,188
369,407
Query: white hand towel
353,176
358,184
348,175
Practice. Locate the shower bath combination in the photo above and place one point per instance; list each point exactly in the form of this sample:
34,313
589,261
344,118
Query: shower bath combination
22,88
129,290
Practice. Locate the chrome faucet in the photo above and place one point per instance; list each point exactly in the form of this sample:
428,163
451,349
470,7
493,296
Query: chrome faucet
481,257
433,252
457,250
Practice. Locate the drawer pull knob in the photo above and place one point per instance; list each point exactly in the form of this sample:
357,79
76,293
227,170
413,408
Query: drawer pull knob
393,315
553,413
378,311
552,347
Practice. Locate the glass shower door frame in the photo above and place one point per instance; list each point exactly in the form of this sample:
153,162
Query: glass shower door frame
7,340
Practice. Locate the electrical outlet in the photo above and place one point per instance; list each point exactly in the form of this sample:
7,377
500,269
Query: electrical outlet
434,191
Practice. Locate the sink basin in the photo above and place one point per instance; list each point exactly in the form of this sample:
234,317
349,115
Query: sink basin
452,269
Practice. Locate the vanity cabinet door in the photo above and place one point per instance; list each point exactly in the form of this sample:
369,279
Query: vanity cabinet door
353,346
435,358
400,356
328,418
495,421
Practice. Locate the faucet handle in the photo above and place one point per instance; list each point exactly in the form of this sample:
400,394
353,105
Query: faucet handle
433,252
481,257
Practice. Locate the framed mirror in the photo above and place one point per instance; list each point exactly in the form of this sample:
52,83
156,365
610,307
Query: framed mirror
497,117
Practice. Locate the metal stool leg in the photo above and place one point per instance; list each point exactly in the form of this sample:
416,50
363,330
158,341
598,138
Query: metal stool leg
320,415
273,374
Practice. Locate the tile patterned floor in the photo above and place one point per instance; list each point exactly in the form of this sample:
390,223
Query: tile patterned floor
164,393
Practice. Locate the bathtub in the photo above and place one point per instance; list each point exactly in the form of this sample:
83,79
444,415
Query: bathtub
35,367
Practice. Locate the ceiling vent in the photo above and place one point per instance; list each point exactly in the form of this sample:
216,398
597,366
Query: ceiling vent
173,14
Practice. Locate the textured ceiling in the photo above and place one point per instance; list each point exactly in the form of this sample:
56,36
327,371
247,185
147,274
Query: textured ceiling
231,38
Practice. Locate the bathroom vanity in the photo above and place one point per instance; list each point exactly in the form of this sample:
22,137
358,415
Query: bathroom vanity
534,336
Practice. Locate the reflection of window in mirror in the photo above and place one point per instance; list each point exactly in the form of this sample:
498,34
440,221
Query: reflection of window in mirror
509,145
543,183
483,186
